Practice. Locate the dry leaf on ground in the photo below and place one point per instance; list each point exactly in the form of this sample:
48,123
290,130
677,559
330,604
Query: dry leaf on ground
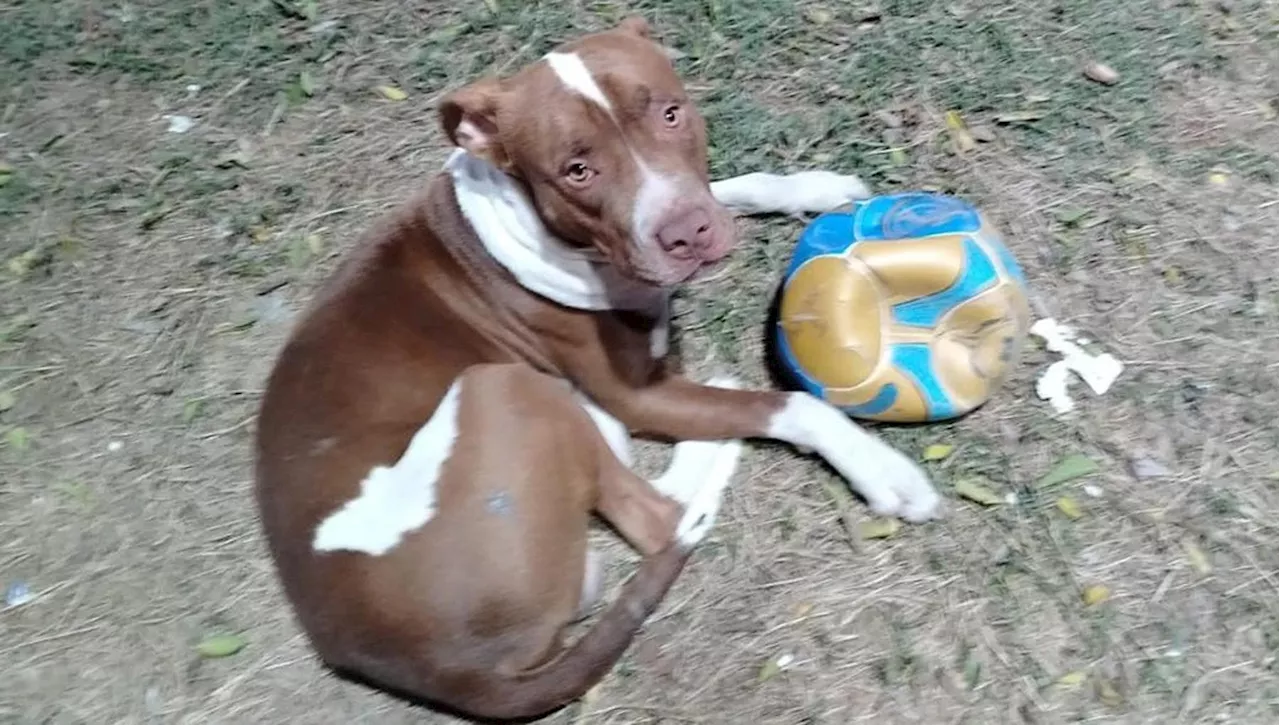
974,490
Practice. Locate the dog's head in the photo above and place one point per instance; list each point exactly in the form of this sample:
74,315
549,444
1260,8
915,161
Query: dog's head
611,149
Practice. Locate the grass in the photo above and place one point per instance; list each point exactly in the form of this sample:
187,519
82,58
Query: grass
168,268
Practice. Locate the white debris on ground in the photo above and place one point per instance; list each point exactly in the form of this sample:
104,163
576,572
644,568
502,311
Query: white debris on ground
1097,371
180,124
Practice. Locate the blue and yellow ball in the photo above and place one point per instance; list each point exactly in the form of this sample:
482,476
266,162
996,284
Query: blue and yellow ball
907,308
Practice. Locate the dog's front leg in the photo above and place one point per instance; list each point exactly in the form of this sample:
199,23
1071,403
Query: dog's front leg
806,192
680,409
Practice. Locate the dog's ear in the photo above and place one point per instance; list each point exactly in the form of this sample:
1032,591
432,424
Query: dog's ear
637,26
469,117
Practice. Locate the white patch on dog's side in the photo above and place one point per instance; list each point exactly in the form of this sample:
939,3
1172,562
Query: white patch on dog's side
396,499
812,192
505,220
891,483
1098,371
572,72
614,432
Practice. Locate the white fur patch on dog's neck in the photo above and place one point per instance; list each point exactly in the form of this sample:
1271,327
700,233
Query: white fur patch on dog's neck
504,218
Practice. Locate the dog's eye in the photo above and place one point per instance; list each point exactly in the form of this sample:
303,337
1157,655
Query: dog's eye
671,115
578,172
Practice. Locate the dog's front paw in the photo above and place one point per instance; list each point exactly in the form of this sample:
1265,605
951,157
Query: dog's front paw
727,382
895,486
701,509
823,191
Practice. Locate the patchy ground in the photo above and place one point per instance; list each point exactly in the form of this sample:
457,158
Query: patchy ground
152,275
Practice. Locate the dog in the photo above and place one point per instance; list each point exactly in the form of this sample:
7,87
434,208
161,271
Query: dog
458,398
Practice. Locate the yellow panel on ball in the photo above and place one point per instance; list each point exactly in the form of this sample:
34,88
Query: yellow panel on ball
832,320
907,308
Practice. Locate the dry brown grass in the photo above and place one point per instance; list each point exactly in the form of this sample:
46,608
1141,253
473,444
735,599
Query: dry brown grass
170,277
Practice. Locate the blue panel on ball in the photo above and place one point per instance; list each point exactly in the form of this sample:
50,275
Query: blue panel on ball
916,361
884,400
978,274
830,233
917,214
1008,262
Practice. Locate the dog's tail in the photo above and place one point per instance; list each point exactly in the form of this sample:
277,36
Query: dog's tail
538,691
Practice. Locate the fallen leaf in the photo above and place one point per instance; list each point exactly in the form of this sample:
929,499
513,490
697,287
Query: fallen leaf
1070,215
7,400
15,328
803,608
154,217
391,93
975,491
1094,594
868,14
1144,467
260,233
1071,680
306,83
1069,508
1218,179
220,645
38,257
774,666
1196,557
1108,694
982,133
1076,465
972,672
18,438
232,158
818,16
77,491
897,156
315,244
1101,73
960,135
192,409
1013,117
938,451
878,528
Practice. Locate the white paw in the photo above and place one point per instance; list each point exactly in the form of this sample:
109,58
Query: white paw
821,191
895,486
727,382
689,466
701,510
811,192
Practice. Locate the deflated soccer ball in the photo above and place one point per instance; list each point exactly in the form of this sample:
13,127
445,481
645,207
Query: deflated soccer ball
907,308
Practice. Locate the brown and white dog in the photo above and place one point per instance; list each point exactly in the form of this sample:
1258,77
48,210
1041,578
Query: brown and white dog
459,397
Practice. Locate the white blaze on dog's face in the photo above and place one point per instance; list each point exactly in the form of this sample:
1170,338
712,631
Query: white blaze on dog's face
611,149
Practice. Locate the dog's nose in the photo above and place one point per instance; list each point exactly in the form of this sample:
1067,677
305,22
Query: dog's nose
687,235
